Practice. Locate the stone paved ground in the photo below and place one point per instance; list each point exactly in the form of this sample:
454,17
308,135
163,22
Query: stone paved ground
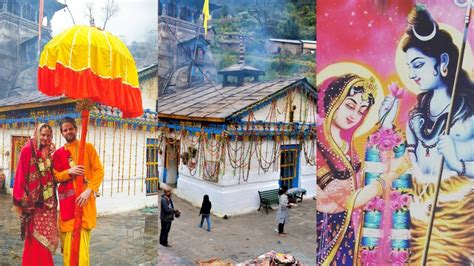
239,238
128,238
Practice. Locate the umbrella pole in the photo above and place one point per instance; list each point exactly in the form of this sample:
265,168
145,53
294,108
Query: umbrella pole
76,235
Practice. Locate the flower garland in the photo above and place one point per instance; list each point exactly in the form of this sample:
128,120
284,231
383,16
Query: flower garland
44,166
386,212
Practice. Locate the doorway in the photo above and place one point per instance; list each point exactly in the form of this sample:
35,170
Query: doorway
289,166
171,174
18,142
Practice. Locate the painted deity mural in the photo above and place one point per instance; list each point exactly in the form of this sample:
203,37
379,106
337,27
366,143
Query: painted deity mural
396,135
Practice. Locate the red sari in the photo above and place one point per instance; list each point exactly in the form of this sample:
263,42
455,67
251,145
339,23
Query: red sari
34,194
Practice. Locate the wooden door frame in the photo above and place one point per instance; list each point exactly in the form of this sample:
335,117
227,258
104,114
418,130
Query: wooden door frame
296,148
12,160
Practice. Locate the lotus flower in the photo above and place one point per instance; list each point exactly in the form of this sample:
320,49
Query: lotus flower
396,205
386,144
380,205
405,200
399,256
370,206
375,138
368,256
395,195
386,132
395,90
396,139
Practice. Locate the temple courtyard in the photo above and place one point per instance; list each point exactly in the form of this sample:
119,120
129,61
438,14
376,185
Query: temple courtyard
128,238
239,238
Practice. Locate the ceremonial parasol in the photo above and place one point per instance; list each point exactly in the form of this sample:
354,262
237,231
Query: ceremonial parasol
90,65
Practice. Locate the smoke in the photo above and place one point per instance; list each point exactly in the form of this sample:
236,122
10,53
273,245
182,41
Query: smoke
260,21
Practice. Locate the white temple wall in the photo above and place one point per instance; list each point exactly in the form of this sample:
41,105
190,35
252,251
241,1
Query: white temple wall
232,194
305,111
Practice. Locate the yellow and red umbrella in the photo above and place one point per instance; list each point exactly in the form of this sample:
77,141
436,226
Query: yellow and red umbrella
86,63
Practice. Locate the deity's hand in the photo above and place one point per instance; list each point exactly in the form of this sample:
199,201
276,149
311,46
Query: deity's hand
388,110
399,166
84,197
447,148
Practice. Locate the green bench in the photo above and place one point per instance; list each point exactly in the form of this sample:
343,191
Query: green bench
267,198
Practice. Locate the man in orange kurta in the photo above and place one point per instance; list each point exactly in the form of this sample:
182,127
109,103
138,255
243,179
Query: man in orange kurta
93,173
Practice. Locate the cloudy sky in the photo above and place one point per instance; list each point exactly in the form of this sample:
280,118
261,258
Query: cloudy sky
133,21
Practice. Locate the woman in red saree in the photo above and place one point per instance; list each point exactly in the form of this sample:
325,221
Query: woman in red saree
343,104
34,198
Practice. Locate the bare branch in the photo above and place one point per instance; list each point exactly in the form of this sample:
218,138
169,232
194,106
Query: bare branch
67,7
110,9
90,12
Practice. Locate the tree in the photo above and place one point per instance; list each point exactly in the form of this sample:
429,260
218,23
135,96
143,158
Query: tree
90,12
290,30
267,13
110,9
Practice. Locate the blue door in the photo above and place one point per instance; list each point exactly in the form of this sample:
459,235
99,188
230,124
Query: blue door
289,165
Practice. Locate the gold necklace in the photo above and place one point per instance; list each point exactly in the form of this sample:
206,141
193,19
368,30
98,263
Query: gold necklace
344,146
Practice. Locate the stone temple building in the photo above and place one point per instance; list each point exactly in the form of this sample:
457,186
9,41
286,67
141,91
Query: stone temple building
19,41
183,54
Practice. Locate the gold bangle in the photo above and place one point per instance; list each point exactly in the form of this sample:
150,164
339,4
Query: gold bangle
382,183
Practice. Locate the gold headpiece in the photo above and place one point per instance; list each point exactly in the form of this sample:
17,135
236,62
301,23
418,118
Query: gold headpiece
369,87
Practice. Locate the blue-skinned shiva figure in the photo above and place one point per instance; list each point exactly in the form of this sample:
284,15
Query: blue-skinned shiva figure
431,57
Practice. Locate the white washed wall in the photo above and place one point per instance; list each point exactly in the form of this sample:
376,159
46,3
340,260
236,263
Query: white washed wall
304,112
232,194
149,89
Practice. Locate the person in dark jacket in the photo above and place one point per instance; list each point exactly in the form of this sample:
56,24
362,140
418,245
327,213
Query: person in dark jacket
167,215
206,212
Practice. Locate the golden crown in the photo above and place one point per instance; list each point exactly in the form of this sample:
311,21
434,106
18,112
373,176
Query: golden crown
369,87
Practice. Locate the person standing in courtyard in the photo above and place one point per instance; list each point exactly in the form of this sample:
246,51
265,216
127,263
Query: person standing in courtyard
93,173
167,214
282,215
34,198
205,212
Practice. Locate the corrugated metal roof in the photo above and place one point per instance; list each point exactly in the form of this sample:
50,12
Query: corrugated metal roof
218,102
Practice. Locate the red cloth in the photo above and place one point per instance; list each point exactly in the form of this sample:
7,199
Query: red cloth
86,84
38,215
36,254
66,192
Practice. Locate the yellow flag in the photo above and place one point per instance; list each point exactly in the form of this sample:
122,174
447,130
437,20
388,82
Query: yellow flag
205,15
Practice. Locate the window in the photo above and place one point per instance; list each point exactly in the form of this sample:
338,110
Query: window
152,180
292,114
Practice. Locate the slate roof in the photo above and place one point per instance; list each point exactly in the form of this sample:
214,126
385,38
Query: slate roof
29,97
147,71
213,102
285,41
242,68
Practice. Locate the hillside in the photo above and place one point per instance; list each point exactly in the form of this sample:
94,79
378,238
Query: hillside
259,21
